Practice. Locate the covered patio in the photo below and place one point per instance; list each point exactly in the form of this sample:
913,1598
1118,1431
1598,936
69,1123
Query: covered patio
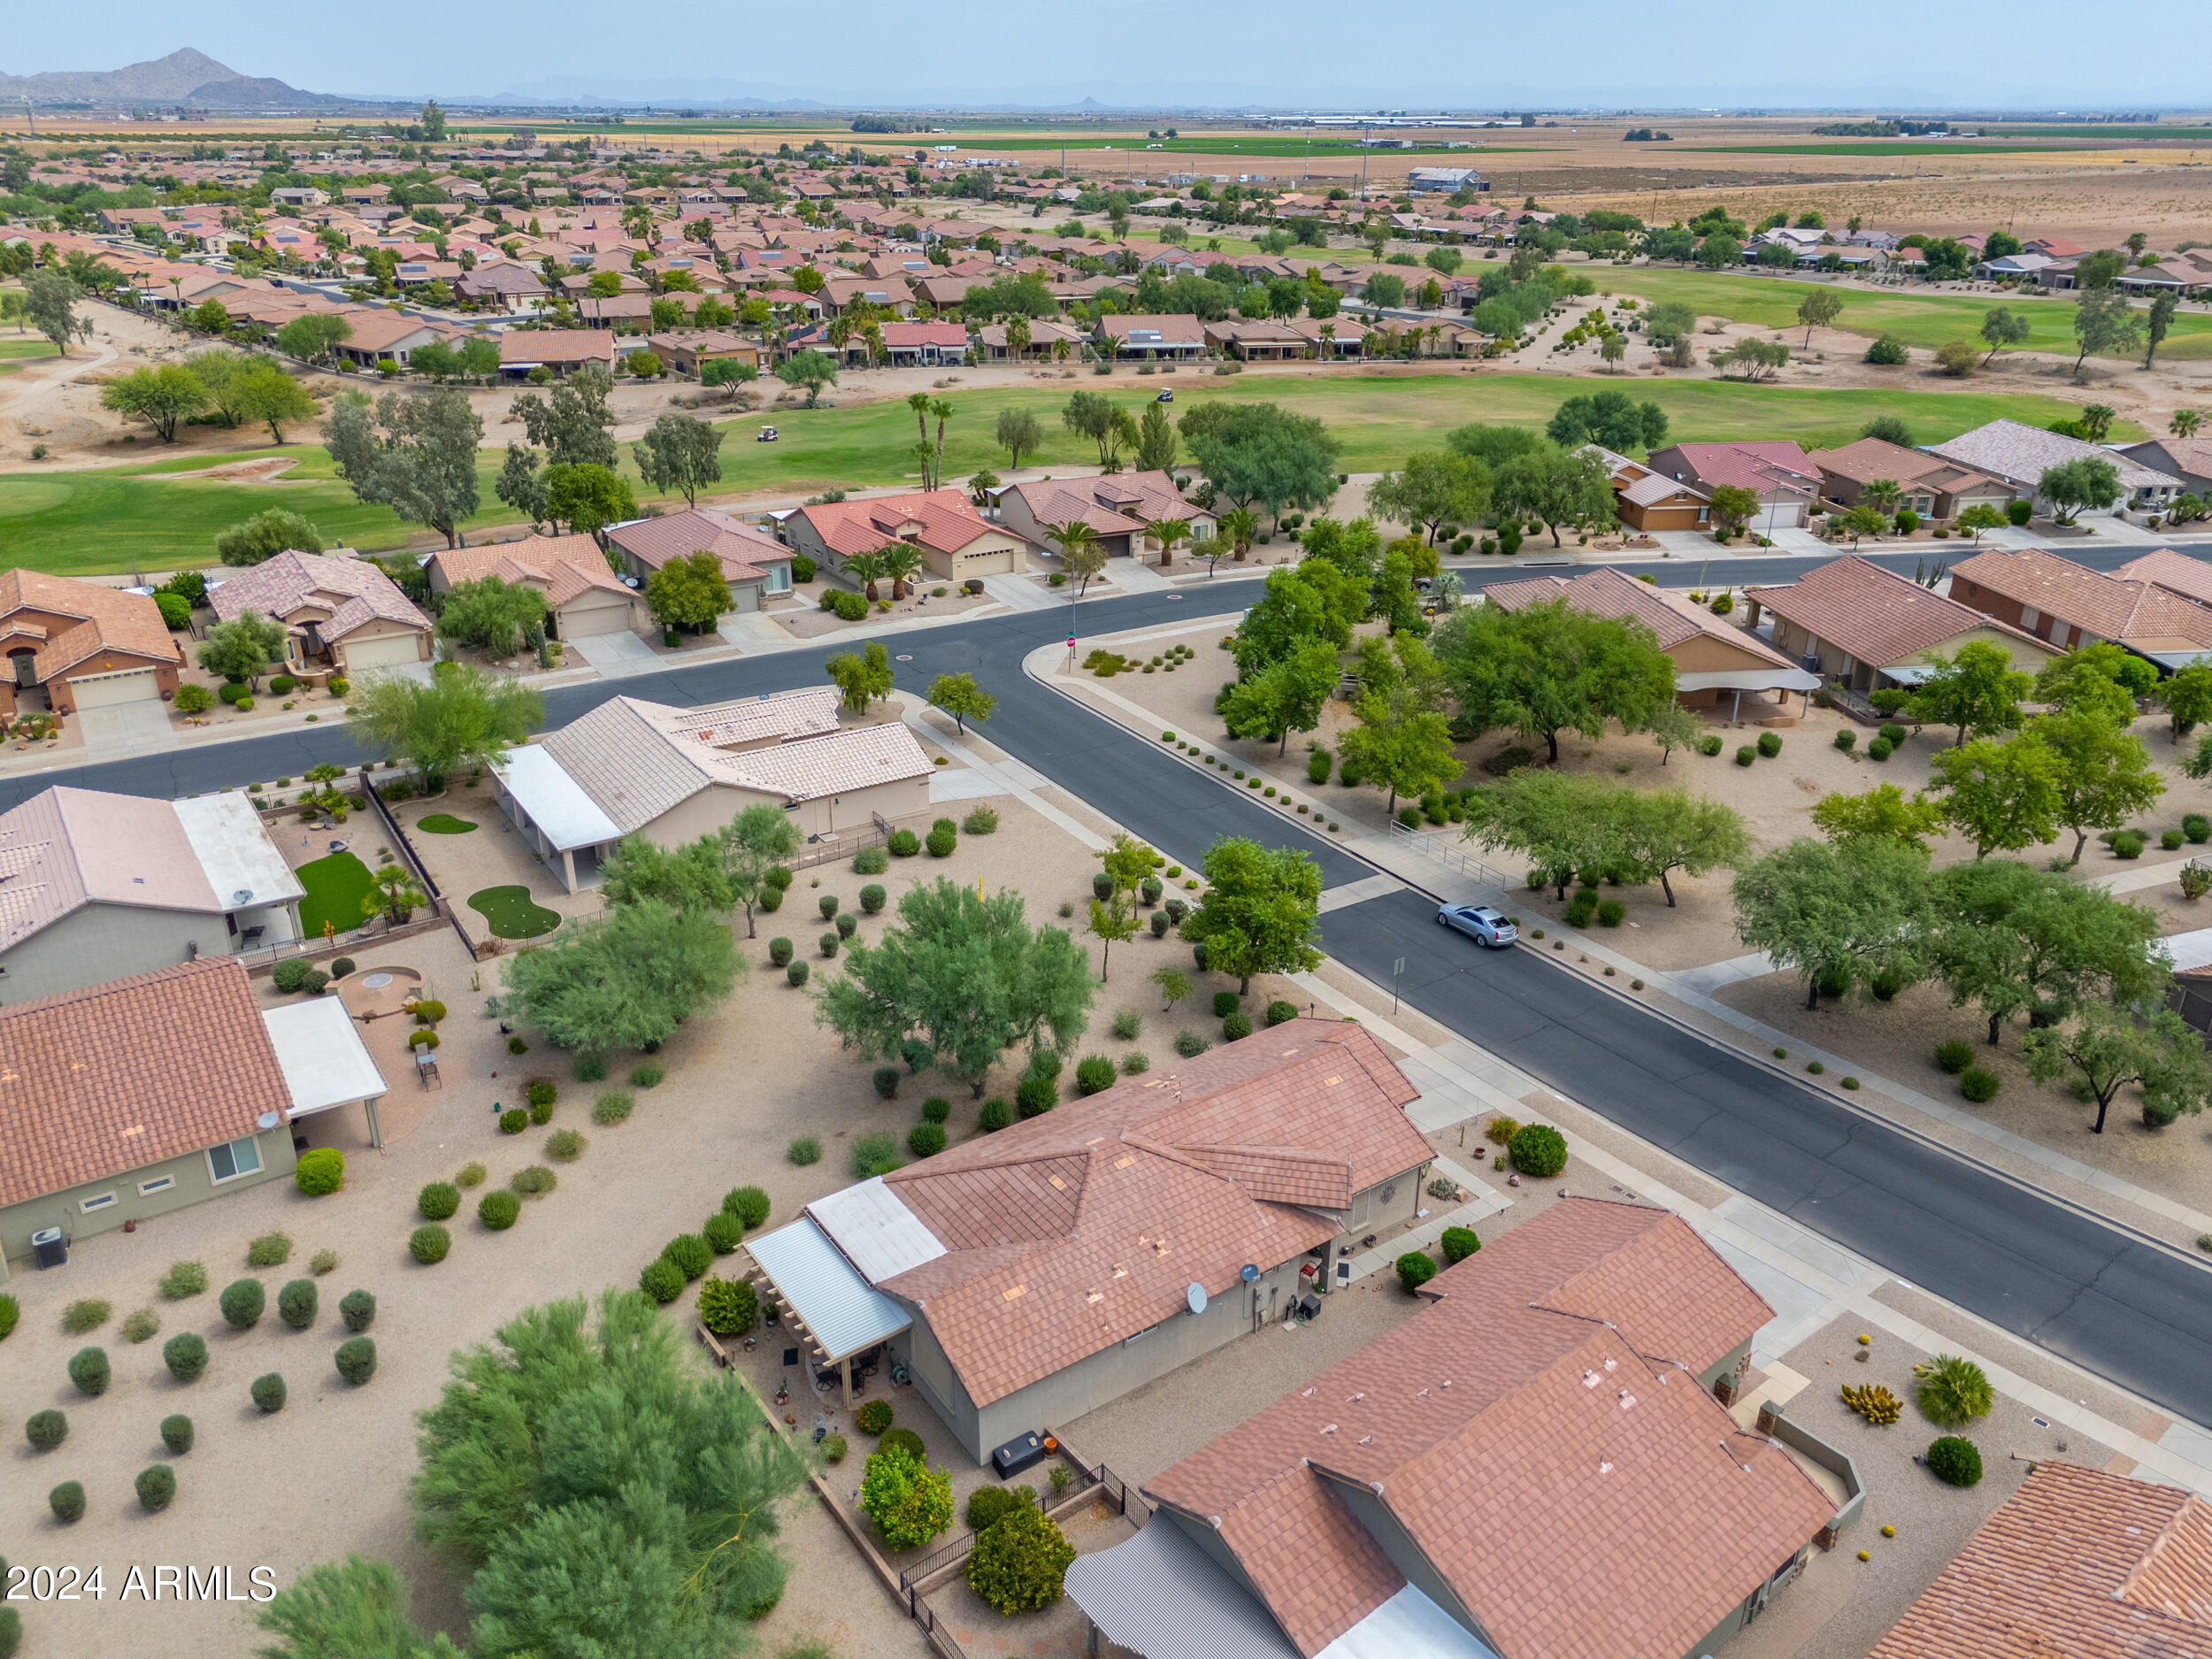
562,823
324,1063
823,1297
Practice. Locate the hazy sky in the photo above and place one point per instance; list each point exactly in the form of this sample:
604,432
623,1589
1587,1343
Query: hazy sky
1946,54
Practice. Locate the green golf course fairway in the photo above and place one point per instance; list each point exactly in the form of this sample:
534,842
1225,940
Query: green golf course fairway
153,516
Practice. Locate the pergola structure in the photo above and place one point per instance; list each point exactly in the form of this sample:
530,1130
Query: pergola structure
823,1296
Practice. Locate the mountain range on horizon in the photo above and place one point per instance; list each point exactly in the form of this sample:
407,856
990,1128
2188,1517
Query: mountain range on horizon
187,77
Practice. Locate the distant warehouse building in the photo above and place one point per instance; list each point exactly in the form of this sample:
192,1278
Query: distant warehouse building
1445,180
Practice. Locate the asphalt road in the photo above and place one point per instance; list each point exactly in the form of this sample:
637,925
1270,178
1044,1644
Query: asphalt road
2127,1310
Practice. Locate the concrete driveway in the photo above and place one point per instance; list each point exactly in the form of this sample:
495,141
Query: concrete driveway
616,654
126,728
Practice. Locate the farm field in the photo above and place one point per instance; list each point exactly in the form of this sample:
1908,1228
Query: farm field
153,516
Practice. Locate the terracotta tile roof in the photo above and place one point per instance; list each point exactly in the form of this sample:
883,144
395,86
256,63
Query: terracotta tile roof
1067,1233
1524,1433
555,345
350,592
2137,612
376,329
1607,593
742,549
2176,572
105,618
558,566
2078,1564
1759,467
1875,614
1870,458
941,519
121,1075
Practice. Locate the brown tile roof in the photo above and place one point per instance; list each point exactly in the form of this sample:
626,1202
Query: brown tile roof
2077,1564
742,549
106,620
2137,612
1759,467
941,519
2176,572
557,345
351,592
118,1076
1870,458
1875,614
558,566
1540,1437
1067,1233
1607,593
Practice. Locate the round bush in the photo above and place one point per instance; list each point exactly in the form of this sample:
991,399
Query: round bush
357,1309
357,1359
771,900
1611,913
588,1068
2170,841
1416,1268
1537,1150
940,844
1279,1012
1746,755
1459,1243
1955,1460
613,1108
906,1440
1035,1096
829,941
796,973
805,1149
498,1210
1020,1562
268,1392
321,1171
176,1433
885,1079
1769,744
1225,1003
1094,1073
157,1488
271,1250
723,1233
298,1303
873,1416
904,843
565,1146
429,1244
996,1115
1236,1027
438,1200
243,1303
1979,1084
46,1430
2128,844
533,1181
1880,748
513,1121
186,1356
925,1140
1102,884
470,1176
749,1204
936,1110
661,1280
689,1255
1190,1045
1845,738
1954,1057
2197,828
10,1316
67,1502
727,1307
871,861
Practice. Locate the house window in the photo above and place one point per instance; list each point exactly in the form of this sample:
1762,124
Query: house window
1201,530
779,580
233,1158
1702,512
98,1200
159,1184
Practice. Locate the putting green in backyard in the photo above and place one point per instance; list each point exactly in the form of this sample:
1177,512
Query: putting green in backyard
446,824
335,888
511,913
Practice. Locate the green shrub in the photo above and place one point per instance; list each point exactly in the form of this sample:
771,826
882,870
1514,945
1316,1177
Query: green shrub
689,1254
186,1356
588,1068
1035,1096
533,1180
940,843
723,1233
86,1314
2170,841
2197,828
516,1045
1954,1461
1225,1003
498,1210
1769,744
1979,1084
728,1306
46,1430
298,1303
936,1110
1953,1390
271,1250
541,1092
1279,1012
871,861
267,1392
438,1200
909,1502
1459,1243
1537,1150
1094,1074
872,1417
771,900
1127,1022
613,1107
290,975
1021,1563
873,897
243,1303
157,1488
565,1146
323,1261
805,1149
67,1502
827,904
2128,844
661,1280
513,1121
646,1074
471,1175
1415,1270
357,1359
1190,1045
428,1244
1880,748
1236,1027
357,1309
906,1440
925,1140
904,843
183,1278
1895,733
988,1506
1581,908
1888,349
10,1316
982,821
828,942
320,1173
875,1155
995,1116
177,1433
1611,913
1845,738
885,1079
1746,755
1954,1057
832,1449
749,1204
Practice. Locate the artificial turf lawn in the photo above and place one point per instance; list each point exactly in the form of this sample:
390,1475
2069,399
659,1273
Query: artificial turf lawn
335,887
446,824
140,519
510,912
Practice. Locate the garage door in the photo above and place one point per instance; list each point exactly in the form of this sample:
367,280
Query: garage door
104,691
393,651
582,621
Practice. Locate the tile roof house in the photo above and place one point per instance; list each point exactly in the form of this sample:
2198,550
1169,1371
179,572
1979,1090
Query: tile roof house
97,886
1533,1467
1864,627
340,613
583,595
2175,572
1929,485
2019,455
755,563
2188,459
1152,338
1712,657
138,1096
560,351
1644,500
953,538
84,645
1116,507
1026,1276
380,334
1775,470
631,767
2079,1561
2069,604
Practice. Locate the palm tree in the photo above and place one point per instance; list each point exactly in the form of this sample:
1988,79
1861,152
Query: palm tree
979,488
900,561
1328,351
1167,533
1017,336
1883,495
942,410
866,569
1238,527
2185,423
1080,551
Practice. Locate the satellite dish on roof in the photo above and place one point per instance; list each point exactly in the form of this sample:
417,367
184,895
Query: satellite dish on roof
244,895
1196,1296
1247,1272
267,1120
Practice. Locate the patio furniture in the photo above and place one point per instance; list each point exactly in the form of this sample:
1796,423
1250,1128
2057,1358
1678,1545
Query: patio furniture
247,935
427,1069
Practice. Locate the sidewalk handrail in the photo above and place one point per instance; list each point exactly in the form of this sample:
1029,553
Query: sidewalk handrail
1451,858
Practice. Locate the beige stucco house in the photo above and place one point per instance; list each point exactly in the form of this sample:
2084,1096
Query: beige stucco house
583,595
954,540
341,614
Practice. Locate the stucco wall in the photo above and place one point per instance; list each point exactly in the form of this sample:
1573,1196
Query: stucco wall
98,942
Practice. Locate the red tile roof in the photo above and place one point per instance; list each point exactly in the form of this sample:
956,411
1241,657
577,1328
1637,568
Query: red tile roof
558,566
742,549
942,518
2077,1564
1540,1437
2137,612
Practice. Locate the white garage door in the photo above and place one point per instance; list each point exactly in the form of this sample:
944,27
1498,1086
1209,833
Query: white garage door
104,691
581,621
393,651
